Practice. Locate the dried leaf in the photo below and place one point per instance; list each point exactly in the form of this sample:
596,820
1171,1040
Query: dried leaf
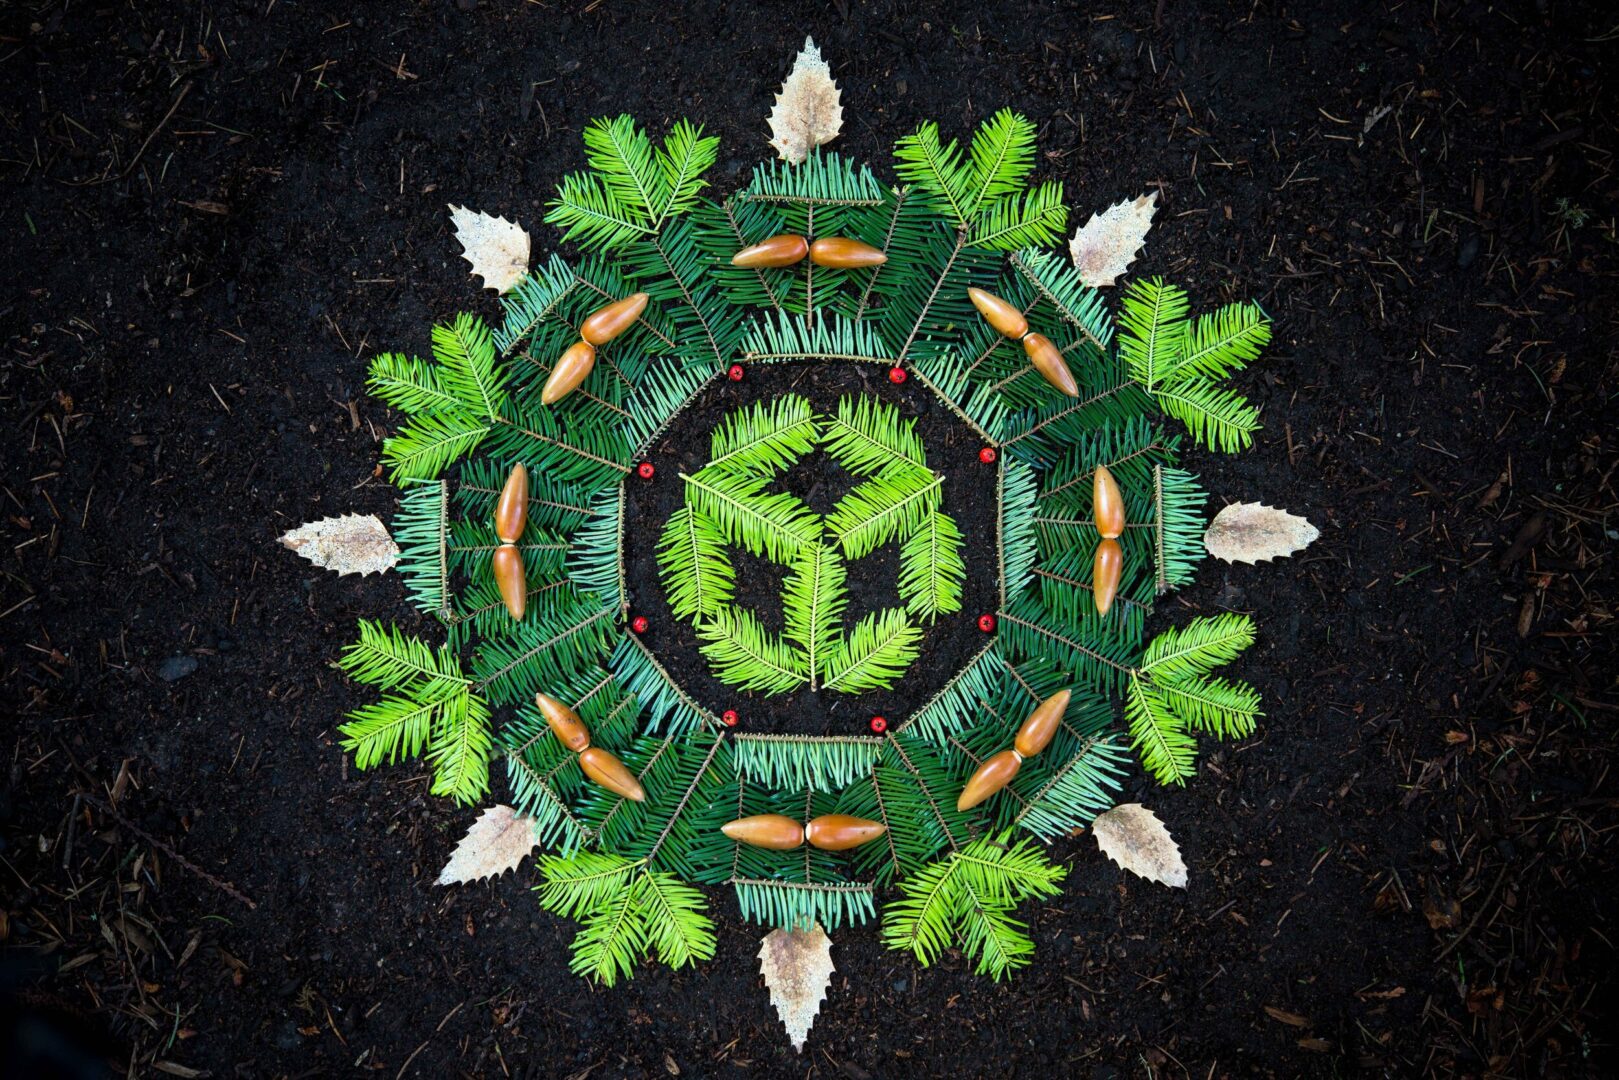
1254,532
1106,245
496,248
808,112
797,966
496,843
351,544
1132,836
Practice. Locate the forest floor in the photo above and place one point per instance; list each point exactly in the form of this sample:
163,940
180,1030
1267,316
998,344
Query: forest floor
214,213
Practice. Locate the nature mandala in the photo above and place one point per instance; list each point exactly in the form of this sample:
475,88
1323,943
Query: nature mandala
712,501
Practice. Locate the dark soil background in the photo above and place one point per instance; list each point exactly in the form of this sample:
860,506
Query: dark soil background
968,497
214,213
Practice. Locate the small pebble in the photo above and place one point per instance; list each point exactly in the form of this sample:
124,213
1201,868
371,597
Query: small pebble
176,667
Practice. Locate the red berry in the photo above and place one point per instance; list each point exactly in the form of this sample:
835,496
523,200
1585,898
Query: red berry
639,624
986,623
879,725
645,470
896,375
735,373
987,455
729,718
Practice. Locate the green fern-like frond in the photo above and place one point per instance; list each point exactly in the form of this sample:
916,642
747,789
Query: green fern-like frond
682,160
1211,705
1056,281
468,366
804,762
595,561
390,730
746,655
1154,316
1223,341
1219,419
678,928
874,655
1158,735
386,657
867,436
765,438
410,385
893,503
545,649
813,597
697,576
421,529
429,444
1177,526
931,569
458,749
1037,217
775,525
1198,647
667,706
1000,159
1081,788
579,884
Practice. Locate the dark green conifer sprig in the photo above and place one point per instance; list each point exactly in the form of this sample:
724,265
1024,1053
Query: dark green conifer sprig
963,215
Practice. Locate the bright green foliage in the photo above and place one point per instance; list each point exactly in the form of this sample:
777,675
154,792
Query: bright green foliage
629,913
965,215
967,899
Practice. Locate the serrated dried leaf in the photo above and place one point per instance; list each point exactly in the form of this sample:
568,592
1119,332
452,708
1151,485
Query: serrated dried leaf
350,544
1105,246
496,843
797,966
1132,836
1254,532
496,248
808,110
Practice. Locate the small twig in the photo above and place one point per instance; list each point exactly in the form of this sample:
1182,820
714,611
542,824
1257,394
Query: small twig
223,886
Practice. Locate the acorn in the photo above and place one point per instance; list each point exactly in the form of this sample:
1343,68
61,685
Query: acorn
842,253
605,769
1107,504
511,511
995,773
998,313
774,831
840,832
571,370
508,566
784,249
1036,732
1105,573
569,728
1047,360
606,323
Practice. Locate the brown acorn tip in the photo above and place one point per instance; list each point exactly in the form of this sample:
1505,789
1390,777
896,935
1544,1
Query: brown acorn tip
995,773
1047,360
842,253
507,563
606,323
1107,504
571,370
1004,317
564,721
775,832
511,511
606,770
783,249
840,832
1105,571
1036,732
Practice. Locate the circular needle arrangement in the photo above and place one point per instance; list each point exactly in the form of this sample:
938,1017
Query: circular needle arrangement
525,453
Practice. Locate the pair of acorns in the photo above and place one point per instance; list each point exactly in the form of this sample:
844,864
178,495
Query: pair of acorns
1107,506
778,832
600,326
998,770
789,249
600,766
1046,357
511,518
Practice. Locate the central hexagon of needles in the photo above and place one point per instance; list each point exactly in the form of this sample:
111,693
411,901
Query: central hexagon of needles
734,501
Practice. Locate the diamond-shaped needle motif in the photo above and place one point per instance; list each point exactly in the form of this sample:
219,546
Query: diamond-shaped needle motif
732,502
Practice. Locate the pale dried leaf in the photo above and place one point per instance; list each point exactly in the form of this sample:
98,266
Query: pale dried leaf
496,843
808,111
1254,532
1105,246
496,248
797,966
1132,836
351,544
